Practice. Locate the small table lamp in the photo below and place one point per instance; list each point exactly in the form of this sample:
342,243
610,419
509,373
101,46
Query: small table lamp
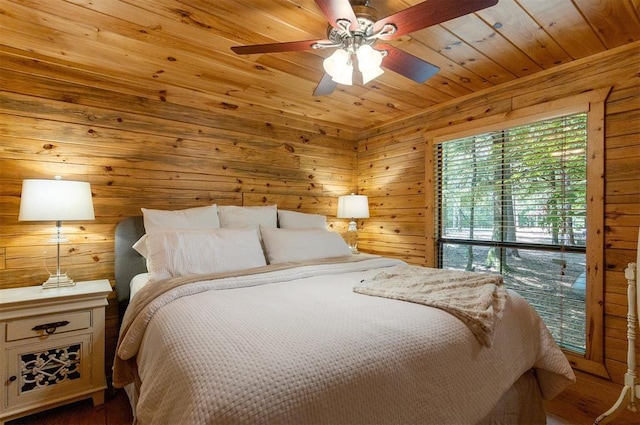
56,200
353,206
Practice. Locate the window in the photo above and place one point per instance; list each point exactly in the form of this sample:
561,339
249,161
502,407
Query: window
492,208
513,201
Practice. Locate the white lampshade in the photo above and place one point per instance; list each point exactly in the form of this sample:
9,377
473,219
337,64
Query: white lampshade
370,75
353,206
345,77
338,66
369,61
55,200
368,58
334,64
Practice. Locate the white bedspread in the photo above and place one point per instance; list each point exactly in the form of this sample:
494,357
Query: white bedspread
304,348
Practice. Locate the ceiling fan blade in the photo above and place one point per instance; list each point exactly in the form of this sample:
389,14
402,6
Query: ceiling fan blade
428,13
325,86
406,64
291,46
338,9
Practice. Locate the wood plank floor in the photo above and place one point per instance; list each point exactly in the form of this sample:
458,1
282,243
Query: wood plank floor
582,403
115,411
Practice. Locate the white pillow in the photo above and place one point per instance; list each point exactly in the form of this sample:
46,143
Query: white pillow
137,283
233,216
198,218
191,218
141,246
173,254
285,245
298,220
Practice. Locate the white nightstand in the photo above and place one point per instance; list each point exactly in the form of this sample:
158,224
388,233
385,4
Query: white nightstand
52,347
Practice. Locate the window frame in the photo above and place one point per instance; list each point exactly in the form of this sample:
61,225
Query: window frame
593,103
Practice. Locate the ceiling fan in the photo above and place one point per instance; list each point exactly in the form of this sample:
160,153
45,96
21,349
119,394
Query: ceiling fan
356,31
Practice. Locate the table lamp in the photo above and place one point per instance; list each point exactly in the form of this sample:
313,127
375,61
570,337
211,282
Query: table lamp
56,200
353,206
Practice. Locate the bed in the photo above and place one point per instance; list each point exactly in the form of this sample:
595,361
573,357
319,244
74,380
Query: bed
297,340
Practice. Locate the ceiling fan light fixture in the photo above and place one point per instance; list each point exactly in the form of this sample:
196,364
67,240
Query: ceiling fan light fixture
339,67
334,64
368,58
372,74
369,61
345,76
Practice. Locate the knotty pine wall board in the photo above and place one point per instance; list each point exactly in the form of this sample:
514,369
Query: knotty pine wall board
138,147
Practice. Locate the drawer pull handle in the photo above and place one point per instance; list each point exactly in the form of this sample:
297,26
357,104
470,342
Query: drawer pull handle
13,378
50,328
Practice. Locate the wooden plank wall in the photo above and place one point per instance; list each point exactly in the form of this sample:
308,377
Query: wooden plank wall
391,172
139,149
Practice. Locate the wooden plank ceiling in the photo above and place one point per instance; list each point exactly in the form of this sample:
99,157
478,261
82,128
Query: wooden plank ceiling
179,50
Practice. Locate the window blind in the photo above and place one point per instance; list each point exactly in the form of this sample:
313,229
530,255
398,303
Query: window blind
514,202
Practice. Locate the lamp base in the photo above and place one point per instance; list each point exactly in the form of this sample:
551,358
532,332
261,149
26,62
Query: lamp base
352,237
58,281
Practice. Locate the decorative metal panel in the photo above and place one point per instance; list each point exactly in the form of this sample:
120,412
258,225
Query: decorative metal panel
50,367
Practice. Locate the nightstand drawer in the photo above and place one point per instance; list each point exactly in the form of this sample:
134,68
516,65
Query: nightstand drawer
34,327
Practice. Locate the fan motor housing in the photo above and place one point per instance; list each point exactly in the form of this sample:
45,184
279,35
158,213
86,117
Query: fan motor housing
367,17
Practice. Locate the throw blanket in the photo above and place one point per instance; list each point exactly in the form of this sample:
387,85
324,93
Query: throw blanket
475,298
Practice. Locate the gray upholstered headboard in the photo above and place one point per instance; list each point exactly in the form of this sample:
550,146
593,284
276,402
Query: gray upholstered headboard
128,262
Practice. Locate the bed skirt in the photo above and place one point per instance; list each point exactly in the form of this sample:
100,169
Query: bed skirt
521,404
